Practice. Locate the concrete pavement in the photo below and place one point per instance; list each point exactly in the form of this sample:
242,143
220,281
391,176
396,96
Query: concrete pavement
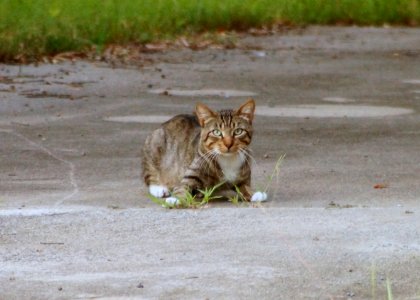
342,103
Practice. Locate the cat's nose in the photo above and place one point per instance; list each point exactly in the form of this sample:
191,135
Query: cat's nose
228,141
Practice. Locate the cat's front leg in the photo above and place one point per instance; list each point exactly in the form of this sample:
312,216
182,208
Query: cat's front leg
189,184
244,191
179,192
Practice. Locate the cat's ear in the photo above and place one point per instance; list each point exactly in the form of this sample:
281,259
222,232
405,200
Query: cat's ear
204,114
247,110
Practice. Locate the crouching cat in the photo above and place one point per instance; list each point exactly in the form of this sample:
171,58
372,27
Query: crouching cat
192,152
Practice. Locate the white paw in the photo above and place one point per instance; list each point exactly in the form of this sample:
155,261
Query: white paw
259,197
172,201
159,191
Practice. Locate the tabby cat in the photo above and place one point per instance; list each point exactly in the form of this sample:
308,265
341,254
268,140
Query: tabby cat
192,152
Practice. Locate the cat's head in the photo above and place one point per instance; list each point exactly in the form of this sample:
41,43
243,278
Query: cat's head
226,132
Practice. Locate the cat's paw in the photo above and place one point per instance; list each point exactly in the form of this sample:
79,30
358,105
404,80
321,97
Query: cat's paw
159,191
259,197
172,201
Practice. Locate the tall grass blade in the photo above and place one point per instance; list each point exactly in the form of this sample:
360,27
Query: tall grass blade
389,289
275,173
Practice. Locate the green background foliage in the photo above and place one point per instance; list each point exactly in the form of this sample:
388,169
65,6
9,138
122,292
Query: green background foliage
37,27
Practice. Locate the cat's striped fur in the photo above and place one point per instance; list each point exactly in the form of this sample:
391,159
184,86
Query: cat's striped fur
191,152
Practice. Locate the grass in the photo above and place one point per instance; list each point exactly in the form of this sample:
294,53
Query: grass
275,173
32,28
189,200
373,281
389,289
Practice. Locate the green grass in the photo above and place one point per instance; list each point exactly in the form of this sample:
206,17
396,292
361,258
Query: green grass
32,28
189,200
274,174
389,289
373,282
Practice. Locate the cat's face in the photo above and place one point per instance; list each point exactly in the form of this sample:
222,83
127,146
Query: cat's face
227,132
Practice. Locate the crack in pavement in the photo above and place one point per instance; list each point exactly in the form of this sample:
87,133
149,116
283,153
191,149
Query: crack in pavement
71,166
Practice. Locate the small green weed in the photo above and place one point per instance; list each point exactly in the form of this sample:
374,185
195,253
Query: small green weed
189,200
234,200
238,198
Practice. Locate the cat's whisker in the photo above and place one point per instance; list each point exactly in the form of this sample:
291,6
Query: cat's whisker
247,160
208,156
248,157
207,160
203,160
213,157
251,157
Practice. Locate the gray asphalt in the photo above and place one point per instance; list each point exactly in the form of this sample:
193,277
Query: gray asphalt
342,219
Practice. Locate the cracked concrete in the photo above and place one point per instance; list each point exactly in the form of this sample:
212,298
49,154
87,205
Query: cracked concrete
341,102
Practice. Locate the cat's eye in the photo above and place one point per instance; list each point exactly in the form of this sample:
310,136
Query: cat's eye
238,131
217,132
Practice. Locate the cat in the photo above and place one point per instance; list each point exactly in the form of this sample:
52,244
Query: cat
193,152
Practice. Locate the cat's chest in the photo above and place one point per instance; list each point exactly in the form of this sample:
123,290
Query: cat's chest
230,166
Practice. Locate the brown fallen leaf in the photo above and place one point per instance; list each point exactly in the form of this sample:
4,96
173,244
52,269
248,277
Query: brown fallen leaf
380,186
